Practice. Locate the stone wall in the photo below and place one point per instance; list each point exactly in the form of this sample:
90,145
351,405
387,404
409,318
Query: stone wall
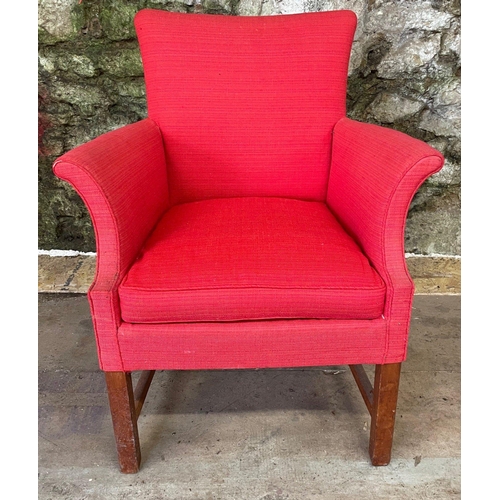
404,74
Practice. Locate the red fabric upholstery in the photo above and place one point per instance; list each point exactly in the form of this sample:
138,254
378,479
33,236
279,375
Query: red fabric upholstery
121,177
250,258
374,175
251,344
241,114
246,104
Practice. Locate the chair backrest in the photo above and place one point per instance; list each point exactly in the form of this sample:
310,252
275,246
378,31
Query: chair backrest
246,105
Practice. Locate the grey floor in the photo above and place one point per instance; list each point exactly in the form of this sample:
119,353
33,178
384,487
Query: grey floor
256,434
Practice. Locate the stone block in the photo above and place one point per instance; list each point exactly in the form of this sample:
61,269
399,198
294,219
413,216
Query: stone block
414,51
56,19
389,108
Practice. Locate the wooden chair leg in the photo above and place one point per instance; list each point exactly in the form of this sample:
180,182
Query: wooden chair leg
385,395
124,417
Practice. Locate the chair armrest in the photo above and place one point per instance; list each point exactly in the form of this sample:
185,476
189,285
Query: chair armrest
374,174
122,178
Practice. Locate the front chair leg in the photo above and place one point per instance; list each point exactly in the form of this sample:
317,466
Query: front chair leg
124,417
385,396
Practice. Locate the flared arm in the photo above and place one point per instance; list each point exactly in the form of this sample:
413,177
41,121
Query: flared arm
375,172
122,178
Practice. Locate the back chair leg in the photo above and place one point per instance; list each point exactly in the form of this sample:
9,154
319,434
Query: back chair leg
385,396
124,417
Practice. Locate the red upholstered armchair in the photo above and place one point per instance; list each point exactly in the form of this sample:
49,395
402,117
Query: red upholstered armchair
247,223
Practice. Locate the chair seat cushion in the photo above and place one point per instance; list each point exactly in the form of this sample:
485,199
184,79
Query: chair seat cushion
237,259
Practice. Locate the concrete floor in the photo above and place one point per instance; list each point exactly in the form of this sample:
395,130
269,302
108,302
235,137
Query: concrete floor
261,434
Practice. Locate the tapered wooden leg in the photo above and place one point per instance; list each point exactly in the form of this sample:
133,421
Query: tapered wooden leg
385,396
123,414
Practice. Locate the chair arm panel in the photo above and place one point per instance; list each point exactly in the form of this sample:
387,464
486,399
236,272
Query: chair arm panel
375,172
122,178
